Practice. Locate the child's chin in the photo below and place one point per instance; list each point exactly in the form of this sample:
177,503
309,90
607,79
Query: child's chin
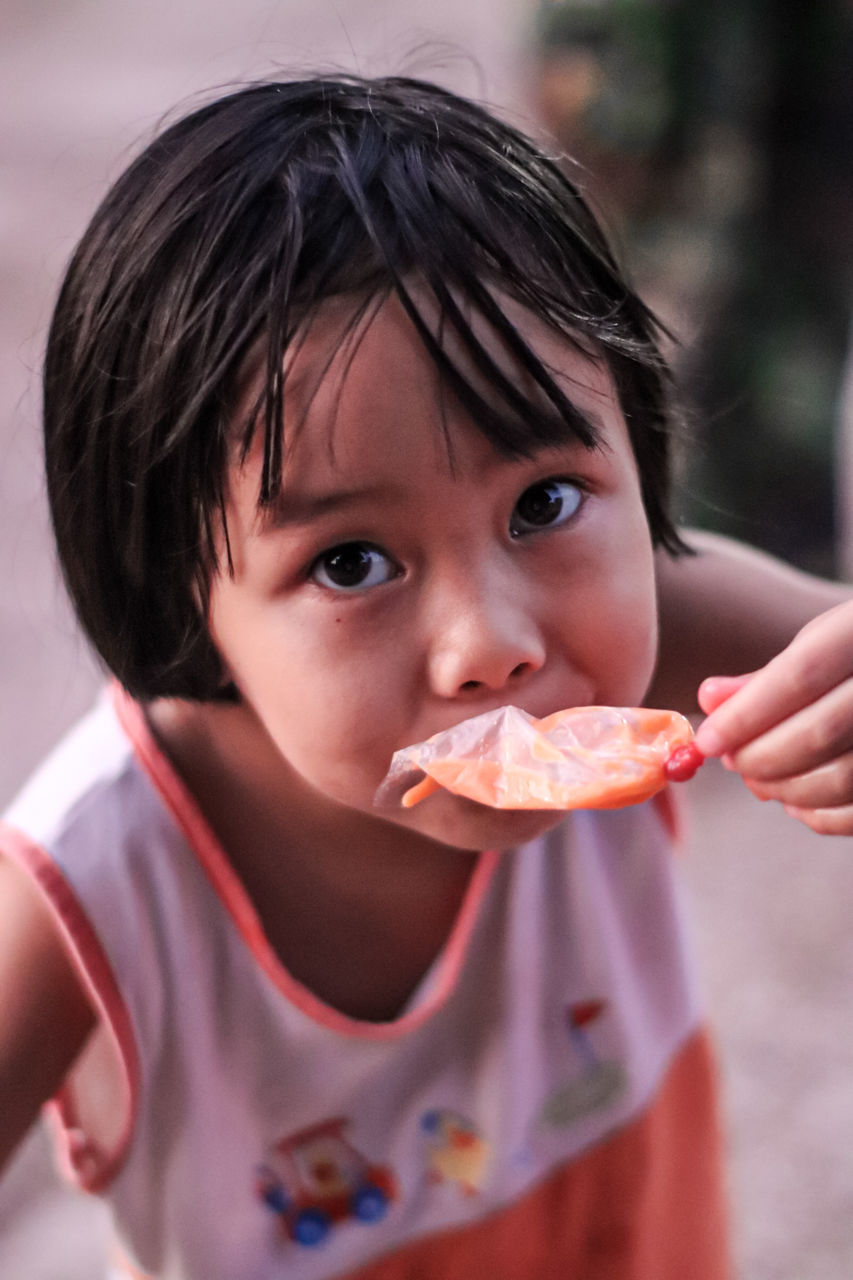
465,824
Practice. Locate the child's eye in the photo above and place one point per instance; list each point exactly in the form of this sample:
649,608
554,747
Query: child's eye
353,566
545,504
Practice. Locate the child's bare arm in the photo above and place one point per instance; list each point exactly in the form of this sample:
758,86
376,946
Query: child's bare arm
772,651
728,610
45,1016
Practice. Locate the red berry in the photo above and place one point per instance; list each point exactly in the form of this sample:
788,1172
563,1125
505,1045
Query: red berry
683,763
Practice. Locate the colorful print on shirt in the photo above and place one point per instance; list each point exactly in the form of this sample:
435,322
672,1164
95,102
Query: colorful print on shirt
316,1178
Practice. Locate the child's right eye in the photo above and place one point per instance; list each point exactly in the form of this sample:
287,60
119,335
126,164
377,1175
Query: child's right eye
353,566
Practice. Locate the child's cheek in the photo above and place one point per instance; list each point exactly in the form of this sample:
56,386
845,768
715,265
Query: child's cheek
641,640
622,636
338,725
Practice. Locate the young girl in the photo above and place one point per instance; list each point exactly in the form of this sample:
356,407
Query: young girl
354,431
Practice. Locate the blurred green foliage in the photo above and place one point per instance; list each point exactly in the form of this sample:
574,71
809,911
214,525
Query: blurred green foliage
720,139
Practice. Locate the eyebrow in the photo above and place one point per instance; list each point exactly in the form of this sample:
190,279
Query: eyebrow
287,509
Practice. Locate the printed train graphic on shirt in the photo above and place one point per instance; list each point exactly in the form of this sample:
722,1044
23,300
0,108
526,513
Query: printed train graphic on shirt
317,1178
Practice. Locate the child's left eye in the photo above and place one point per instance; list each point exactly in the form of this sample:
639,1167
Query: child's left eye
353,566
545,504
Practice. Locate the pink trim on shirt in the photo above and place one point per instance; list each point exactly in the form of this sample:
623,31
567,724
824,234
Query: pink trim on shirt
231,892
84,1164
119,1261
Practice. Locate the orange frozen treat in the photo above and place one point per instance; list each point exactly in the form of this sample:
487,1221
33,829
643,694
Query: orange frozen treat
581,758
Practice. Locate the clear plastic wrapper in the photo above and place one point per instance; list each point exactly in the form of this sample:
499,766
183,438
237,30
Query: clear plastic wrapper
581,758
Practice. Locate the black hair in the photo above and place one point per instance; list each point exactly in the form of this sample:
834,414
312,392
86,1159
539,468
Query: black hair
221,238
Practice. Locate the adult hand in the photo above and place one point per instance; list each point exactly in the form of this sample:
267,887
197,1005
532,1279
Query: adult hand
788,727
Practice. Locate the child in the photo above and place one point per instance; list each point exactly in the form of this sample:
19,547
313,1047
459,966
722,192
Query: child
353,431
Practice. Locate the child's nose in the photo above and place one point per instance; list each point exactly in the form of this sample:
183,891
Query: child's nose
486,639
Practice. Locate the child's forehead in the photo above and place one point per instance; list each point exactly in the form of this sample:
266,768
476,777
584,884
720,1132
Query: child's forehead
359,381
337,330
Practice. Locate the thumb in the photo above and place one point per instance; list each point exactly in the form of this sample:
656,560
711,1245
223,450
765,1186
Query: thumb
716,690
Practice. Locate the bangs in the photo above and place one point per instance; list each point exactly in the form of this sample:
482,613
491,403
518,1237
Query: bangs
509,392
209,258
436,222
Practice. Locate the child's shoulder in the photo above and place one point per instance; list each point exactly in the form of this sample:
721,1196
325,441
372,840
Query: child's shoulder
51,1013
88,763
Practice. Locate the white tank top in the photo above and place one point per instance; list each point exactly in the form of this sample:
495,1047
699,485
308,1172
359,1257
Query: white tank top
242,1129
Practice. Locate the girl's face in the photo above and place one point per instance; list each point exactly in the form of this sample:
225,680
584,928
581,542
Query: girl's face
399,587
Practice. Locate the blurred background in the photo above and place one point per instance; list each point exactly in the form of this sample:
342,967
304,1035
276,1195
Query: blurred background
716,142
720,139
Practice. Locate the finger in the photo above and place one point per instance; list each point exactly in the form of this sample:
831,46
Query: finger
815,736
742,714
826,822
828,787
817,660
716,690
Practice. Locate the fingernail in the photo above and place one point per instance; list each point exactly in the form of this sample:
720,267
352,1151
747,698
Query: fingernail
708,740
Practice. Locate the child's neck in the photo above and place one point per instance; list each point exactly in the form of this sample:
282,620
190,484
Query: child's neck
356,910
